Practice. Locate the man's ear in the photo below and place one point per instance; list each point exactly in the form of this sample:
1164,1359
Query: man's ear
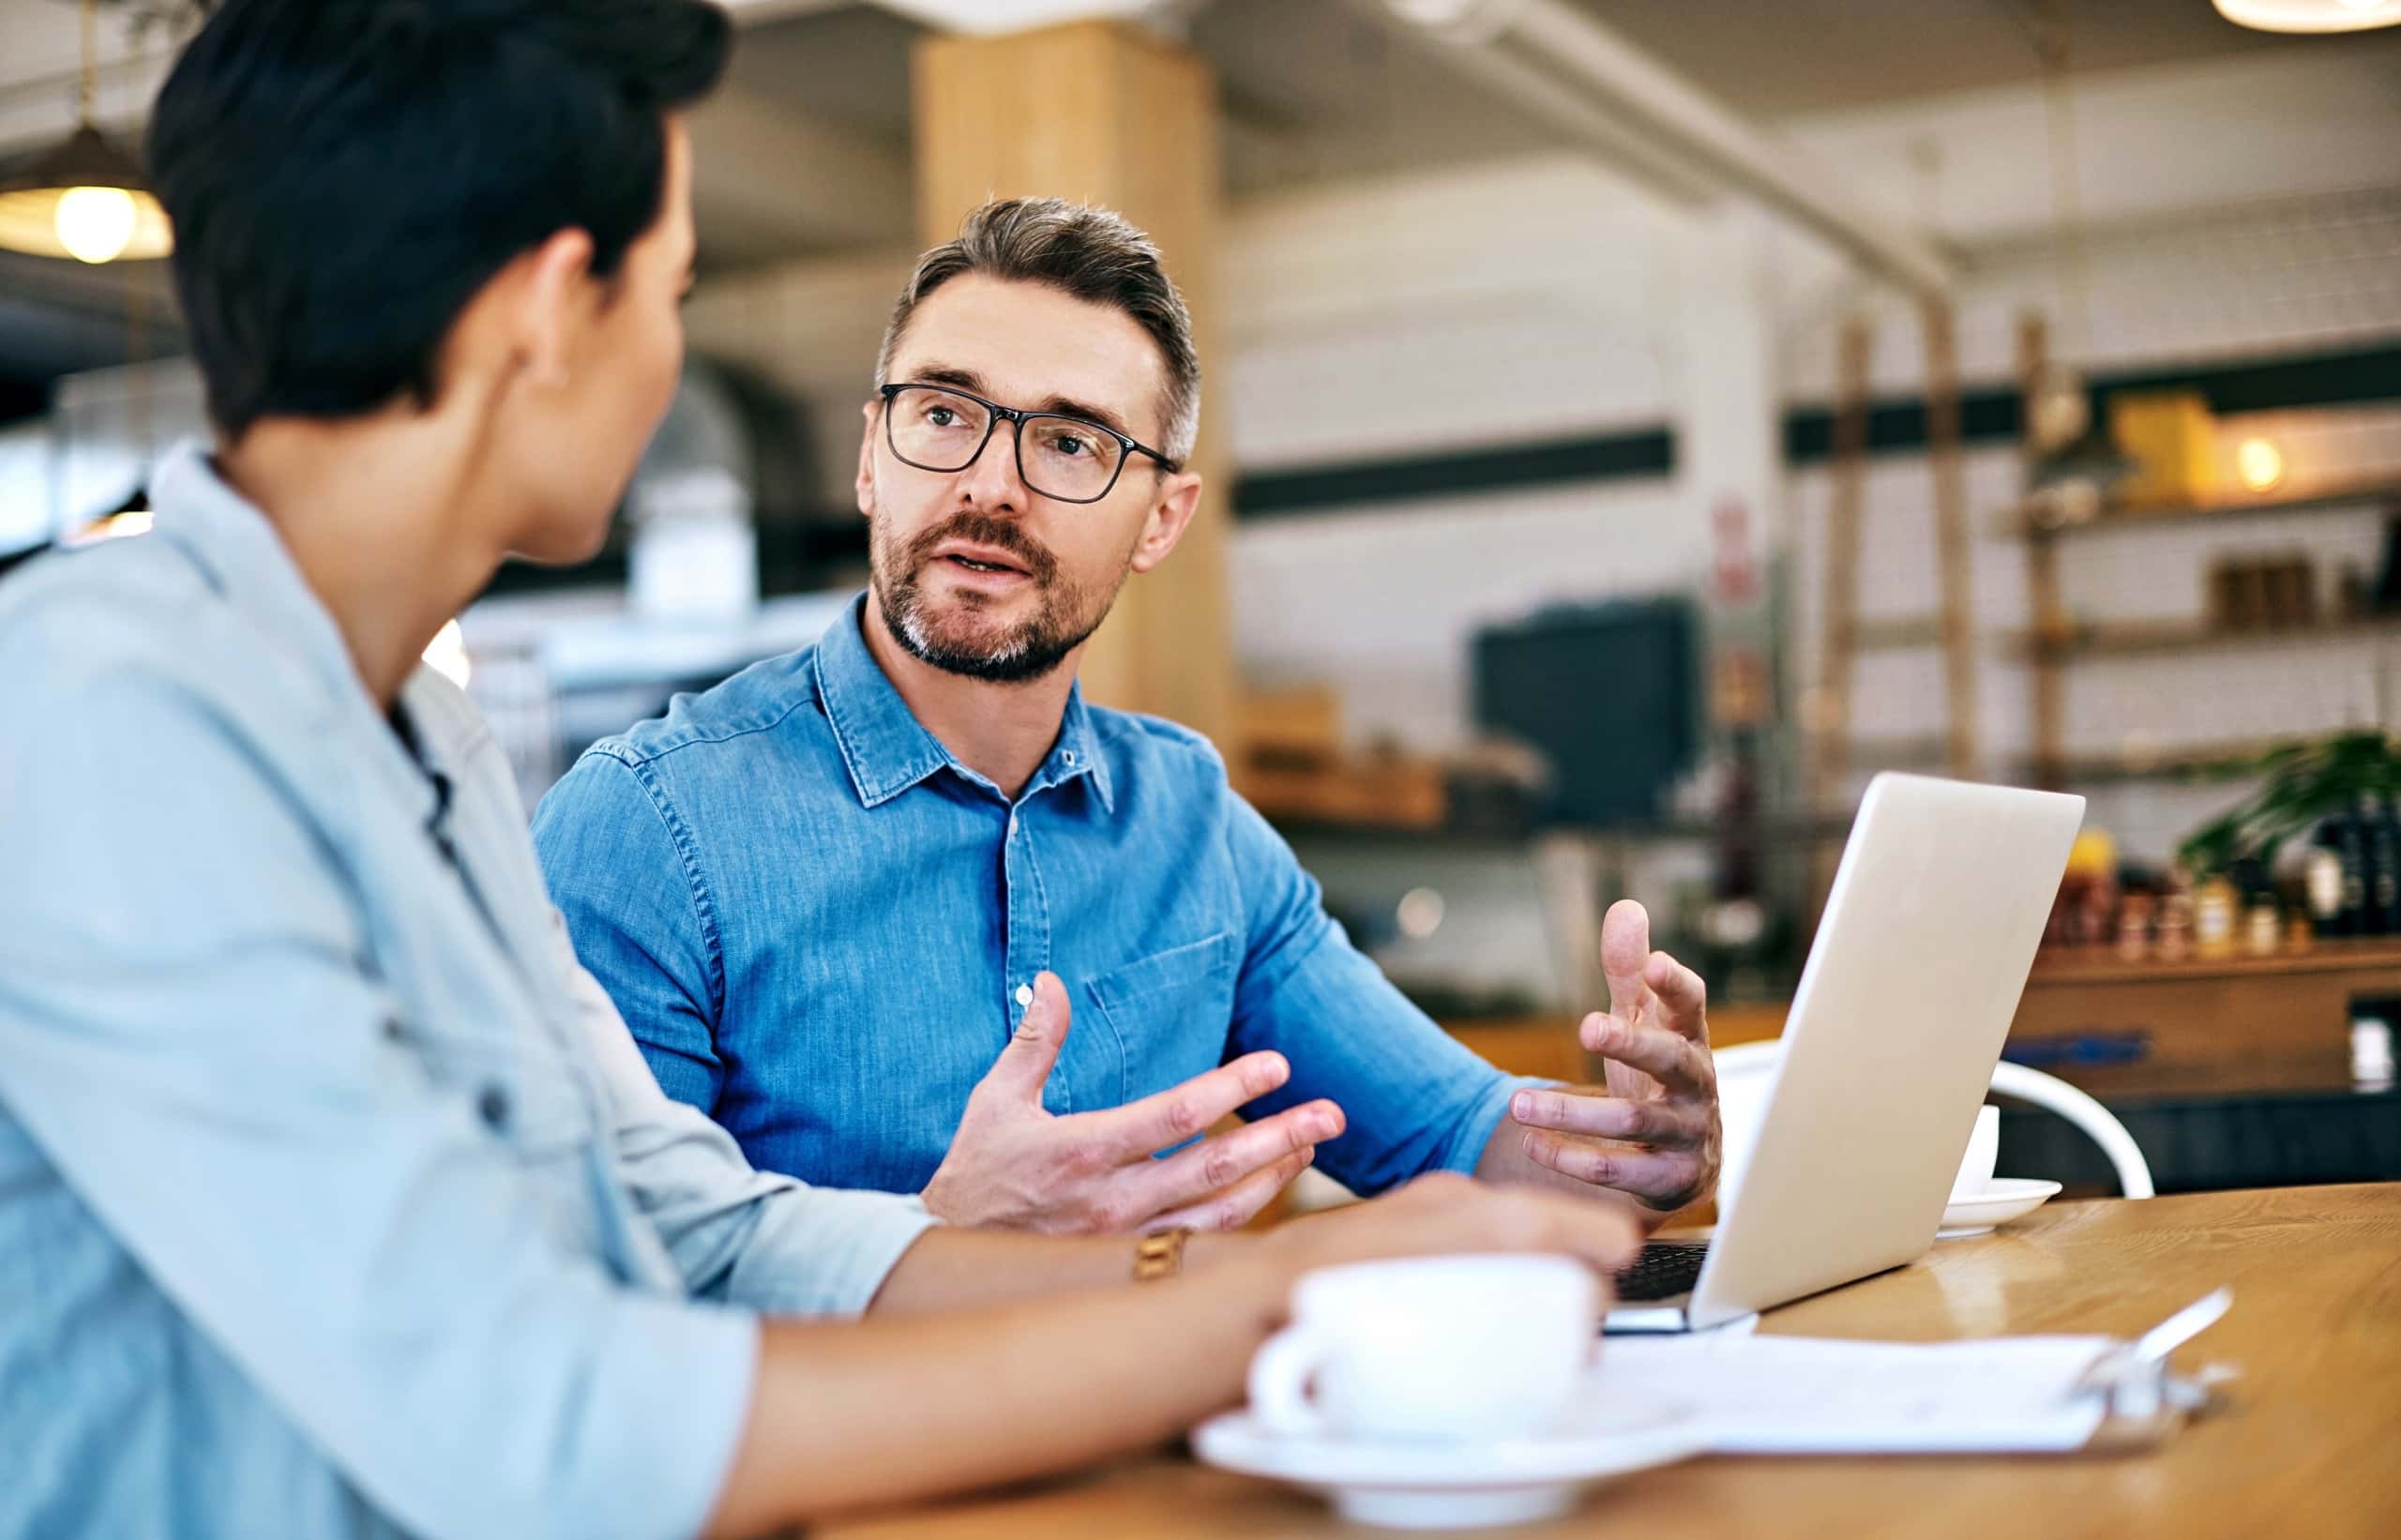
866,485
1172,512
554,299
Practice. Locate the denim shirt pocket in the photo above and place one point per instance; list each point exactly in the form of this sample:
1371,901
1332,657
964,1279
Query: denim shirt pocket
1171,1010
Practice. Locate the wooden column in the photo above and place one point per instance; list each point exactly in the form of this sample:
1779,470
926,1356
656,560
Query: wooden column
1838,619
2047,691
1102,113
1951,539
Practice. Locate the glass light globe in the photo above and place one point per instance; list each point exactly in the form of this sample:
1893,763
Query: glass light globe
2260,464
95,224
2311,15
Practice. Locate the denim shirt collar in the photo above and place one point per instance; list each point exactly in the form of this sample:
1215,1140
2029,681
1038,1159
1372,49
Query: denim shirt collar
887,750
223,534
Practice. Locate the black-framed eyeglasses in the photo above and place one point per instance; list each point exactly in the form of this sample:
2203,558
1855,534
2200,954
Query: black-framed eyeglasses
1066,458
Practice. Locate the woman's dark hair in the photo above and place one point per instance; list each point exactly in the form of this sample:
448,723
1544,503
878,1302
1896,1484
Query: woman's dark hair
344,175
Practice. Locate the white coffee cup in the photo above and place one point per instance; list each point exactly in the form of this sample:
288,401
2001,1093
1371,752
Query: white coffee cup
1984,1151
1442,1349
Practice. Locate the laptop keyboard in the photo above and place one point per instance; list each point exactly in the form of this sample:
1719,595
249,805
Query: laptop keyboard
1664,1270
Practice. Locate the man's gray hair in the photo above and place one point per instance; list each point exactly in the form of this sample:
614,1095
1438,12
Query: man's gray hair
1091,253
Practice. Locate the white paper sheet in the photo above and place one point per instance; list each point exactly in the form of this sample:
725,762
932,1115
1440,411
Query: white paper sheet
1798,1395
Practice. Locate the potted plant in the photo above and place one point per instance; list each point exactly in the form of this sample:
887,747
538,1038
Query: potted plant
2300,783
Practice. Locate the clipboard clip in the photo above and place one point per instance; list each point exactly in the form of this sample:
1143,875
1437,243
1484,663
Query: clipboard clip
2144,1396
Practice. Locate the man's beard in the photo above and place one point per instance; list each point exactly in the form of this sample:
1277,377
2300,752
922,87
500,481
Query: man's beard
960,641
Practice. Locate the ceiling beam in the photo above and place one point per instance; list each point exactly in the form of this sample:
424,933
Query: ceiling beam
1610,94
766,181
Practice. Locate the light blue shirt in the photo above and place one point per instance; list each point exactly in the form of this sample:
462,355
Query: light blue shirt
334,1198
818,925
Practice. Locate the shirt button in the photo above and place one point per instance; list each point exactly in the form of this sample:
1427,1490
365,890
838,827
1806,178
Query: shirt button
1025,994
1069,755
492,1106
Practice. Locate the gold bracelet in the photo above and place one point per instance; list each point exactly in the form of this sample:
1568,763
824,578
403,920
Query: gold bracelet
1159,1256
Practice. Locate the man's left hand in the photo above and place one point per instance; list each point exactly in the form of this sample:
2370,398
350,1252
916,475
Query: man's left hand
1651,1131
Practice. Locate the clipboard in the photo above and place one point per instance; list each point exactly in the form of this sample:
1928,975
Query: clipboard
2012,1395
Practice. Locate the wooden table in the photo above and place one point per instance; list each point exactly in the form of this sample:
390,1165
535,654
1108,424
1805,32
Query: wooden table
2310,1446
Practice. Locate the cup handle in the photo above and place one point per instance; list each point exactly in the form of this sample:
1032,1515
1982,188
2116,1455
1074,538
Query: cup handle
1280,1377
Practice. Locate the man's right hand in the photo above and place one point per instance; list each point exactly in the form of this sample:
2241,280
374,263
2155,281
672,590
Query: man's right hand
1012,1164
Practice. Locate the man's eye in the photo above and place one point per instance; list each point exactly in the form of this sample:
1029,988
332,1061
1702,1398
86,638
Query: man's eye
1068,444
940,417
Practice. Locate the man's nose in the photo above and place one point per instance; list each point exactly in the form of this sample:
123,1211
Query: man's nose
993,483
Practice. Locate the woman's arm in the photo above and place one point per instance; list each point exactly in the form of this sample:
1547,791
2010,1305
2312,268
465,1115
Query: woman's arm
901,1406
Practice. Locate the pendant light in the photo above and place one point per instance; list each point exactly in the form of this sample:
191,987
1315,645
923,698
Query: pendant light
2311,15
2075,463
86,199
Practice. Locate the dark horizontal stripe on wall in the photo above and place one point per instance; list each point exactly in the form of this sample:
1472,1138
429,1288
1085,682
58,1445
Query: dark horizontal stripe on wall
1896,425
2261,385
1599,456
1989,415
2276,385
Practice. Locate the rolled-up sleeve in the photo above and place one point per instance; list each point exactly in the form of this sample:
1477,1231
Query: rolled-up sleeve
193,1031
745,1237
1415,1099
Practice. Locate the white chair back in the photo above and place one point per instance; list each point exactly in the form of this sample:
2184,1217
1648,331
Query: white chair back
1747,1072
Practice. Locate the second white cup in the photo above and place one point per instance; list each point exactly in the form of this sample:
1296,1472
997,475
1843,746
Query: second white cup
1983,1153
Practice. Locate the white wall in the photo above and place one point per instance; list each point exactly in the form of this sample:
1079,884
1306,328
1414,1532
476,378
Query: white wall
1431,313
2235,211
1383,602
1438,310
2149,142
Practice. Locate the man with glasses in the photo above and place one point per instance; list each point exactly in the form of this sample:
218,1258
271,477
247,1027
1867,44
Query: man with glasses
850,899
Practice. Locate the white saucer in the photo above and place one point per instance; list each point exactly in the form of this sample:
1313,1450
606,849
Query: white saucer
2004,1198
1457,1485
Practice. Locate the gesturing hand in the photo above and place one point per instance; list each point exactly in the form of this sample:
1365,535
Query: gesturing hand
1651,1131
1013,1164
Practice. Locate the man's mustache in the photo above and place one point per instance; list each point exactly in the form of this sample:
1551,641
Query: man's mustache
984,529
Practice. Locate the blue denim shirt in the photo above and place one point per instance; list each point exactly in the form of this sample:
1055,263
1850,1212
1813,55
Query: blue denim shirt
817,924
334,1199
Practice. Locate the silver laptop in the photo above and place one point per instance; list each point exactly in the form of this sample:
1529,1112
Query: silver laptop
1928,932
